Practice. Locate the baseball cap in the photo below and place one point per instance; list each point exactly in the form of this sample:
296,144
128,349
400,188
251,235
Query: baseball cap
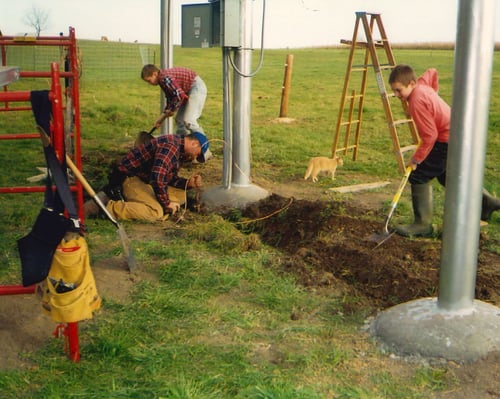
206,154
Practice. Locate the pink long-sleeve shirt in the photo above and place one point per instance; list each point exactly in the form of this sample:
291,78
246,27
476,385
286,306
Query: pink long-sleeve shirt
430,112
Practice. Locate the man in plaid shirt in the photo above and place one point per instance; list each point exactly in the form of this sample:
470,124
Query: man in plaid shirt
148,178
185,93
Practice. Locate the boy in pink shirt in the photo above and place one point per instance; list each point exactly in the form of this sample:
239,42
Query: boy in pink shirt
432,116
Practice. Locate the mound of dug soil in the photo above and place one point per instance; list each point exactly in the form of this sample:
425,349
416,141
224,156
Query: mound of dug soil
327,243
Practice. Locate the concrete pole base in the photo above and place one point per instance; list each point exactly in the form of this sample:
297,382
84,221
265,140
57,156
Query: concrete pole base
421,329
233,197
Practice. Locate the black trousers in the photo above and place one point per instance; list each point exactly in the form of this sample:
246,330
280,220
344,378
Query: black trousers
434,166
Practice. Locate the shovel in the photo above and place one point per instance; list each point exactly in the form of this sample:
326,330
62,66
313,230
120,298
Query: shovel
121,231
380,238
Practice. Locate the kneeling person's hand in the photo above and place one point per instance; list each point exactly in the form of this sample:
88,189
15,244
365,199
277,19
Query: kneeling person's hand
173,207
194,181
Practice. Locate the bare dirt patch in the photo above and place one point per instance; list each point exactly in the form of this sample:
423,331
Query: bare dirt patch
327,241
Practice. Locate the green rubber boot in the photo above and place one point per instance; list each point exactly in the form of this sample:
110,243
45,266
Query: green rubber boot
490,204
421,196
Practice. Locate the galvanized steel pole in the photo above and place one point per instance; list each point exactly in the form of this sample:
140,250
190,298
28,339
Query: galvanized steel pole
227,120
166,54
242,99
237,189
466,153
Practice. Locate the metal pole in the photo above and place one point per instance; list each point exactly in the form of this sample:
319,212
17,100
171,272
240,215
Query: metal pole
466,153
227,120
236,190
242,99
166,54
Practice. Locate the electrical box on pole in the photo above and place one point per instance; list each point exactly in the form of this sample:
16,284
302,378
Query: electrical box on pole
201,25
232,36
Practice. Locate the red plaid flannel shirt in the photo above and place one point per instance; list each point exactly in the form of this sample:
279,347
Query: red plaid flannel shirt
175,83
157,163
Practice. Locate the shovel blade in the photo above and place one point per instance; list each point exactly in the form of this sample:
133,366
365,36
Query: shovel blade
127,249
377,237
380,238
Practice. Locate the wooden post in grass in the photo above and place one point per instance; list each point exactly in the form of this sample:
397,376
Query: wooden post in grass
286,86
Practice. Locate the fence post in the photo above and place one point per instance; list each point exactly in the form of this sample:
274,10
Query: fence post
286,86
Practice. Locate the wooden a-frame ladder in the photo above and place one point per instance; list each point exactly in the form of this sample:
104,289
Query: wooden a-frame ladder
352,102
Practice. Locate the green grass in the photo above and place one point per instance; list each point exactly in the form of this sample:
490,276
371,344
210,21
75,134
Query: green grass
216,321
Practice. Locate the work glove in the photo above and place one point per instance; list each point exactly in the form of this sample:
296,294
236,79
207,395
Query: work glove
116,178
115,193
114,188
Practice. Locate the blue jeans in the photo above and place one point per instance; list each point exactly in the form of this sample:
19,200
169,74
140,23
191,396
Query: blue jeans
189,112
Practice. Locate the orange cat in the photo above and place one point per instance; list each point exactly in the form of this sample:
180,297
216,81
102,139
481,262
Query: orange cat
322,164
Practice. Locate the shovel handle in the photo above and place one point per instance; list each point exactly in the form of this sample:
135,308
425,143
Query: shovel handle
397,197
80,177
402,185
89,189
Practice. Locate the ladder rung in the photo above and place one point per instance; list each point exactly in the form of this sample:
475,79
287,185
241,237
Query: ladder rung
350,147
407,148
363,67
401,121
355,96
377,43
349,123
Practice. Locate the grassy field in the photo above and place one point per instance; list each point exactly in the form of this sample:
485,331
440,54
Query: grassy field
213,321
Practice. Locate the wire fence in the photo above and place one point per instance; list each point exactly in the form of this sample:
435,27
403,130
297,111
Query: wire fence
98,61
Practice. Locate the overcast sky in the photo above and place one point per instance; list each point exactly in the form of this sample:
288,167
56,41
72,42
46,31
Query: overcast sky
289,23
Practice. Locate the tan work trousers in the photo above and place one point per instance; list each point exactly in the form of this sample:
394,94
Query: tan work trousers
141,203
